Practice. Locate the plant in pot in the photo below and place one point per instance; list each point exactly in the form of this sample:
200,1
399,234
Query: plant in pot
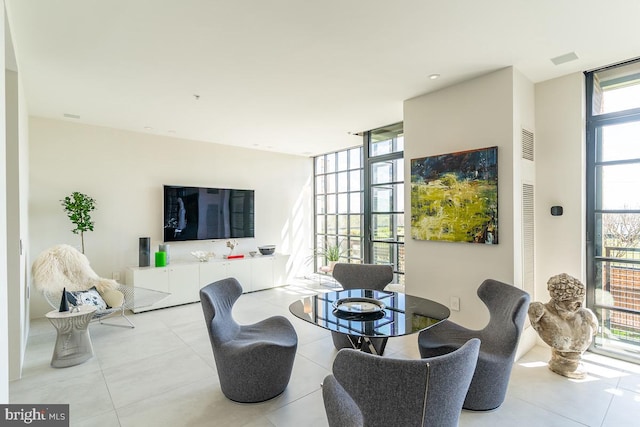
78,207
331,254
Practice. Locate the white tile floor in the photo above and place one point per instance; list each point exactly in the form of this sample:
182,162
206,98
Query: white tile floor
162,373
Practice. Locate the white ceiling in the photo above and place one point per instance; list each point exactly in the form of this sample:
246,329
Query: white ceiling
291,76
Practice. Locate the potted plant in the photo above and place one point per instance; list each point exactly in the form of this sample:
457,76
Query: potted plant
78,207
332,254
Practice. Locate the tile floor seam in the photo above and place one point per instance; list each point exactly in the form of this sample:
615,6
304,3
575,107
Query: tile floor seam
113,405
550,410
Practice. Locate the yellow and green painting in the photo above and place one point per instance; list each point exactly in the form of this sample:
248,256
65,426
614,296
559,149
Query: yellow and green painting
454,197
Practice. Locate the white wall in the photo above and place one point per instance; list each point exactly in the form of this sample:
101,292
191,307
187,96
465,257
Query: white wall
124,172
560,172
16,227
523,170
475,114
4,323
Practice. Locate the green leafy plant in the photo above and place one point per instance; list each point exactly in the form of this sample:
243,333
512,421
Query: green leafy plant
331,253
78,207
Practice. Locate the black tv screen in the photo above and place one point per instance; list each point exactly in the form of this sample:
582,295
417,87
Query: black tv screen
200,213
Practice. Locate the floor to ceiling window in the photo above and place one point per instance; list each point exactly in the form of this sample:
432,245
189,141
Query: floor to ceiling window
384,197
359,202
339,207
613,207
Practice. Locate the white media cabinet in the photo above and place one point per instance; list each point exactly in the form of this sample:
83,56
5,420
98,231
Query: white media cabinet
183,280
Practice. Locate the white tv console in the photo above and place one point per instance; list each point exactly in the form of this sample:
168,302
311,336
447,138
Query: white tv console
183,280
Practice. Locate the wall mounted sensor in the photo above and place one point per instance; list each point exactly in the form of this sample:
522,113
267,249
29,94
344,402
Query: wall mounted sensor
556,210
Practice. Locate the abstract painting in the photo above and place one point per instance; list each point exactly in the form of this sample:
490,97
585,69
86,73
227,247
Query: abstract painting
454,197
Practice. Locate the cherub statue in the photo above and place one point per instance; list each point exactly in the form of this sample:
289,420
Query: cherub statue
564,324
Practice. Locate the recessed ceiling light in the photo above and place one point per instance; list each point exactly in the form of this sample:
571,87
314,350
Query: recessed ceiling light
433,76
148,128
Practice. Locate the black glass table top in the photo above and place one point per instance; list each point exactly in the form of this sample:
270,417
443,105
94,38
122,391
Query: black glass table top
402,314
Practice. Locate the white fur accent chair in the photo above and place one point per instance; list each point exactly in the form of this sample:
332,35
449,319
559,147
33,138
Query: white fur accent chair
63,266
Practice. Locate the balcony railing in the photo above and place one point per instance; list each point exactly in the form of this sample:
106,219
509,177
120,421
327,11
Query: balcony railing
618,307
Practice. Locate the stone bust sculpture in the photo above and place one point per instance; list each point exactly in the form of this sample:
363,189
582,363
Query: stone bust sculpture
564,324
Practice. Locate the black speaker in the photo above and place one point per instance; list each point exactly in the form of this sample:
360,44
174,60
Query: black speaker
144,252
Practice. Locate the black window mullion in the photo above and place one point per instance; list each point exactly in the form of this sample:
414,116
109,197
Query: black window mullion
598,262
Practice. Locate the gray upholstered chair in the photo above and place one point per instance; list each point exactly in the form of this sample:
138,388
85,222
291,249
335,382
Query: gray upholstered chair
368,390
254,362
361,276
507,309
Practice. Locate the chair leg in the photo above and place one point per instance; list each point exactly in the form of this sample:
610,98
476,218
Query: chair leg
130,325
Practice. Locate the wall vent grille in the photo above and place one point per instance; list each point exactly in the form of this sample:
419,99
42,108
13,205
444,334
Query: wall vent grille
528,239
527,144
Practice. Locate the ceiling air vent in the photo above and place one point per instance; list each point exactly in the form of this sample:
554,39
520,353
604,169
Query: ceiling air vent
527,144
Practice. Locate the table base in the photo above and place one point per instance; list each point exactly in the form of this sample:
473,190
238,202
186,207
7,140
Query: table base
73,343
365,344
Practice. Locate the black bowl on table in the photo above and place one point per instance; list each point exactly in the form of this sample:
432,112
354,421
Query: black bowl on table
267,249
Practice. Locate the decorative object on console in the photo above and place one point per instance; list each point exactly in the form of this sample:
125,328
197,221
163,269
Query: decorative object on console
454,197
267,249
161,259
78,207
144,252
564,324
231,244
165,248
203,256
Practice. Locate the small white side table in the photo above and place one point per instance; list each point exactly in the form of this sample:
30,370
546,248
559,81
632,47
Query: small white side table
73,343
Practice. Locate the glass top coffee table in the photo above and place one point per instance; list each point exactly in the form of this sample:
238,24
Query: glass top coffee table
367,314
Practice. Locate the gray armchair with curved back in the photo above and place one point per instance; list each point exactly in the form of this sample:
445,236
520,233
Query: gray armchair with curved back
254,362
361,276
368,390
499,341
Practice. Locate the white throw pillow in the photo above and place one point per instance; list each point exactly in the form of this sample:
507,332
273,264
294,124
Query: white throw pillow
88,297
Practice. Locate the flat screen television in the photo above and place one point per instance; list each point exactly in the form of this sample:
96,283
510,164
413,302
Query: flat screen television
200,213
